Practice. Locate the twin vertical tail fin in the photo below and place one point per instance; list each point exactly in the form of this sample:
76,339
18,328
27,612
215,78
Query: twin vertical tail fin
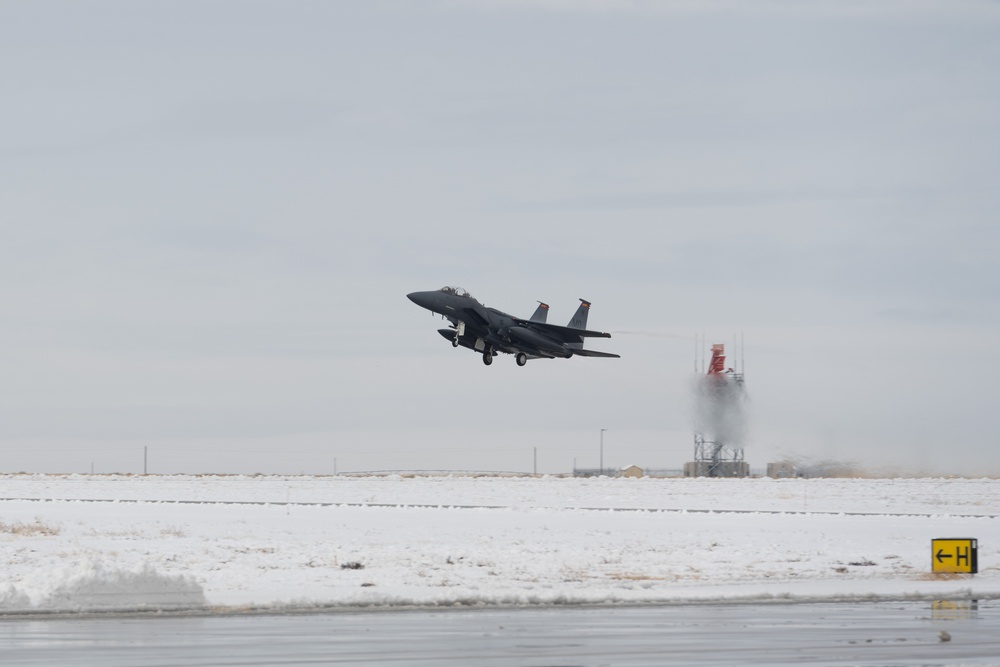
541,313
579,319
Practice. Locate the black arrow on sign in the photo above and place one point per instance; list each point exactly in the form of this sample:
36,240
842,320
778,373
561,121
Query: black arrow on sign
941,555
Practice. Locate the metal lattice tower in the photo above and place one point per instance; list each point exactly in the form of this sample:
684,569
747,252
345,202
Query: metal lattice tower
713,457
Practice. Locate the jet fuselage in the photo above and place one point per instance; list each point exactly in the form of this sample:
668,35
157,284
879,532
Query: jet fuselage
489,331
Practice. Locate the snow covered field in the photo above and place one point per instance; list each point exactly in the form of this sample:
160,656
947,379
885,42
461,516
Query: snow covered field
76,542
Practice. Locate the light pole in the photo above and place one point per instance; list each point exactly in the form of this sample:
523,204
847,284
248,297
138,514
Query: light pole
602,450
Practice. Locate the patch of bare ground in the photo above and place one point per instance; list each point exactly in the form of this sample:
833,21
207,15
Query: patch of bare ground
22,529
943,576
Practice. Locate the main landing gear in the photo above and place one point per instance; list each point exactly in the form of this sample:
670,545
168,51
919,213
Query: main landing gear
521,358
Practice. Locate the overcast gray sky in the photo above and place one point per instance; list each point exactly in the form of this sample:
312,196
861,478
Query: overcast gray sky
211,212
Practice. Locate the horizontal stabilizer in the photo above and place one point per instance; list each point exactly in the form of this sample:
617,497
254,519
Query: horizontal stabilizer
594,353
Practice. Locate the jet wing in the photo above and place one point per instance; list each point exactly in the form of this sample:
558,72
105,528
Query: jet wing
470,316
565,334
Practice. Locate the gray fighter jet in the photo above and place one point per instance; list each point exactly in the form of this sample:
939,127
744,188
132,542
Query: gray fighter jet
489,331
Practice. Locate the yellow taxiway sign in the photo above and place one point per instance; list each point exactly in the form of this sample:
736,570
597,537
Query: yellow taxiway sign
955,555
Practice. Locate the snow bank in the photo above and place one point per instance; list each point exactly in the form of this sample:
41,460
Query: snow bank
96,585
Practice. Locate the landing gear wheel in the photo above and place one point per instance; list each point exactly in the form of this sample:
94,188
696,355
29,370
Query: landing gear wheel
521,358
488,357
454,342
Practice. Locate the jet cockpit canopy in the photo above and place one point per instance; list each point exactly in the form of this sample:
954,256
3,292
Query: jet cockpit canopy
455,291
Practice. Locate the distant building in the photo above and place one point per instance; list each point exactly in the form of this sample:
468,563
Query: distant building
780,470
631,471
719,469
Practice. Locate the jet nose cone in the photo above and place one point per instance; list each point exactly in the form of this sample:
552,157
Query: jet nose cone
422,299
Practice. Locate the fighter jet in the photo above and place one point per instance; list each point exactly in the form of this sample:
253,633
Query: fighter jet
489,331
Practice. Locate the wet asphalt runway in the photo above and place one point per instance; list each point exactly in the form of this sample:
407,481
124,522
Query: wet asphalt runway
882,633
